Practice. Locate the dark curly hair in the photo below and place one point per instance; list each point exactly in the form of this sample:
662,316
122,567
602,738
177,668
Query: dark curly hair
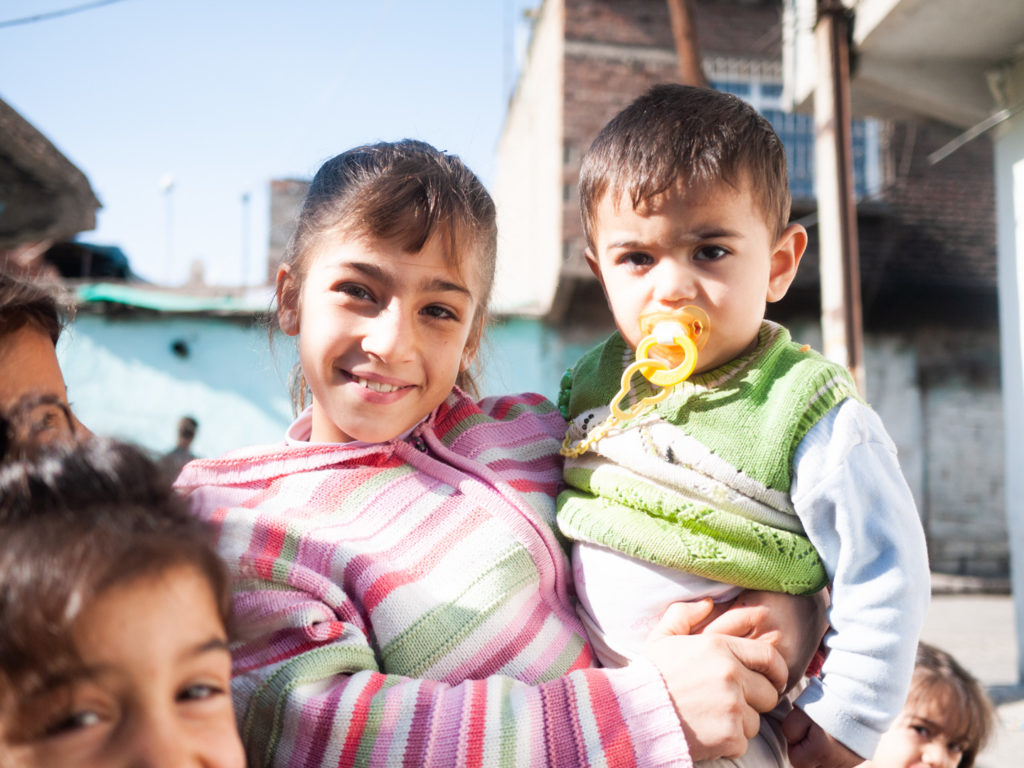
74,522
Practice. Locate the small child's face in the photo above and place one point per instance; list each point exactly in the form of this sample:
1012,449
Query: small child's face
383,335
710,247
153,688
919,738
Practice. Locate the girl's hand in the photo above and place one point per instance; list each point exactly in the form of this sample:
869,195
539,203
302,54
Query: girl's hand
718,684
793,625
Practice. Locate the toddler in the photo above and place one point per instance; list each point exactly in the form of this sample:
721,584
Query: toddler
765,470
113,608
946,721
401,591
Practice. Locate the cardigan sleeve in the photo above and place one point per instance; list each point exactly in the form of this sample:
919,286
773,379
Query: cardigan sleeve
859,513
309,691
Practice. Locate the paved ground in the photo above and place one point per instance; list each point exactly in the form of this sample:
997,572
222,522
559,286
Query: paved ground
978,629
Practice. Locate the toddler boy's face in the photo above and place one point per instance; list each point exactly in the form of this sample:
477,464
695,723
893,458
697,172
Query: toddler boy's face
708,246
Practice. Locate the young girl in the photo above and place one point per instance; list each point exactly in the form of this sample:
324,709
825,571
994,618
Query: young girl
401,593
946,721
113,649
31,320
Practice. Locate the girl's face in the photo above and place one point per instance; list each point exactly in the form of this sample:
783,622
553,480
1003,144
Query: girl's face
920,738
383,334
152,689
29,362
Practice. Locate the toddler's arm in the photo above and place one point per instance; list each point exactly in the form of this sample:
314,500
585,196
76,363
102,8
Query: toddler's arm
858,512
809,745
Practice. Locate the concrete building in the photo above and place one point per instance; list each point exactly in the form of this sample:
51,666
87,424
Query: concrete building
927,239
962,64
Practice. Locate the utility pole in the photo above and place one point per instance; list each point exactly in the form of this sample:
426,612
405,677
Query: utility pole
837,212
245,238
684,31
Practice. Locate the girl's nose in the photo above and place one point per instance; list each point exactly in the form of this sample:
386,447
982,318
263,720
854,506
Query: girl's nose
160,743
388,335
935,755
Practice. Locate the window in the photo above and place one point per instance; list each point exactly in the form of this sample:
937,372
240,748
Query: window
797,134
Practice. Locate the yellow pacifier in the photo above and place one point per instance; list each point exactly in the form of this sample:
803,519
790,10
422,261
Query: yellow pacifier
673,338
665,356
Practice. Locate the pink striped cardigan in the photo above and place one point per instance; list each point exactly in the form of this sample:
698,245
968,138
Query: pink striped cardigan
408,603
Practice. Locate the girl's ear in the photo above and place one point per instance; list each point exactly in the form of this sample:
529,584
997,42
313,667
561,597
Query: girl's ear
784,260
472,343
287,301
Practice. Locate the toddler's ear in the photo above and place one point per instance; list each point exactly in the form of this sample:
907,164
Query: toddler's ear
595,266
785,259
287,301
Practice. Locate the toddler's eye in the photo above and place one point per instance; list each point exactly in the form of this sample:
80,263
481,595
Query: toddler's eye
636,259
710,253
957,749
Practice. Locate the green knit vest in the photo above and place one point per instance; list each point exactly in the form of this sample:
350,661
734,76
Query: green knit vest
700,482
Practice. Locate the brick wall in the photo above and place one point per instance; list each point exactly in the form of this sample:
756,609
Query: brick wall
927,257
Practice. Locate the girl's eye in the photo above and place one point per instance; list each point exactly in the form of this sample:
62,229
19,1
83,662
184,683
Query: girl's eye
921,730
710,253
74,721
957,749
443,313
355,290
198,692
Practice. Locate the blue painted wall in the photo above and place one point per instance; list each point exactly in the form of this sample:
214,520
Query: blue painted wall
125,379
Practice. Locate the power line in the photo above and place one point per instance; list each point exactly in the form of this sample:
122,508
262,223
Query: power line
56,14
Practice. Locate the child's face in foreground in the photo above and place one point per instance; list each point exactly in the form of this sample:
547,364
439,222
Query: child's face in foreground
383,335
710,247
919,738
153,689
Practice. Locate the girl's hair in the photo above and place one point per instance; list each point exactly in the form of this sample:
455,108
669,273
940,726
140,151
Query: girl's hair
74,522
30,302
408,192
941,682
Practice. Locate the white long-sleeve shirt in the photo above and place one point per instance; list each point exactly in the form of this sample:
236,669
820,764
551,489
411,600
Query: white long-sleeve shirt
857,510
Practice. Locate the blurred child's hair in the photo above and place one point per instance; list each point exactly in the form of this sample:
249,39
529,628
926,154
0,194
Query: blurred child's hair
942,683
677,134
405,191
74,522
30,302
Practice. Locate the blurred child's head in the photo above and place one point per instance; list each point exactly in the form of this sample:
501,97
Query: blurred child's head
386,282
685,200
945,722
31,320
113,616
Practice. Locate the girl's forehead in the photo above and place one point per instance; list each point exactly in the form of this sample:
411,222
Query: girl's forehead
437,263
944,711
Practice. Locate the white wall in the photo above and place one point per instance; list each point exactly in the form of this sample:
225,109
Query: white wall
528,182
124,380
1009,176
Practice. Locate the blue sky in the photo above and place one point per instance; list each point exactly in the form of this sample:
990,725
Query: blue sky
219,96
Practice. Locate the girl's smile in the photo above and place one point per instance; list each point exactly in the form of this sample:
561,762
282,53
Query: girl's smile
383,334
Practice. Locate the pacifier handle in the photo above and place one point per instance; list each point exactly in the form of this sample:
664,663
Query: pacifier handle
669,334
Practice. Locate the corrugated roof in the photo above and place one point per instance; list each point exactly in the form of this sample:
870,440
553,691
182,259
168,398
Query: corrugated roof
252,302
